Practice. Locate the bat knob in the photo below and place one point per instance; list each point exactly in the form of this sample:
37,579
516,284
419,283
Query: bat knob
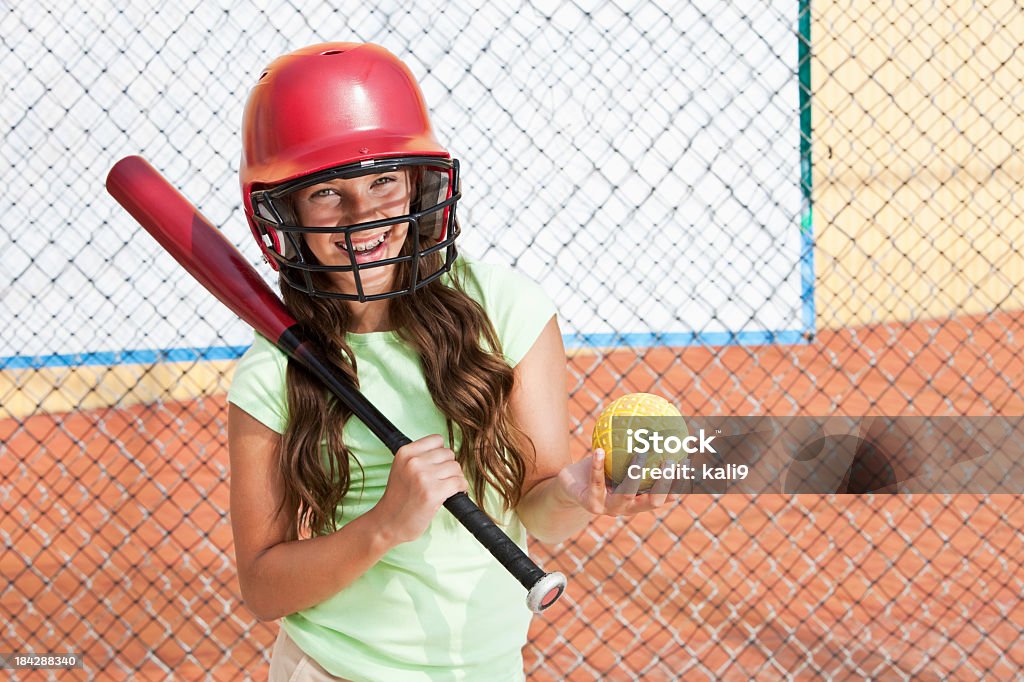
545,591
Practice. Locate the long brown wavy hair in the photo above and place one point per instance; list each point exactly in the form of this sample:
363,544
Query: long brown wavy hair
469,381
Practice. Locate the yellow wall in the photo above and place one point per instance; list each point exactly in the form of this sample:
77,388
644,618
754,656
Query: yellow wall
61,389
916,152
24,392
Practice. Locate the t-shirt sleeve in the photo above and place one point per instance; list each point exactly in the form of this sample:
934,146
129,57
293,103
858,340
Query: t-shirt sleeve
519,308
258,385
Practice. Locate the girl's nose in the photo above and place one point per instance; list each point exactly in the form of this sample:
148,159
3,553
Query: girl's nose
357,208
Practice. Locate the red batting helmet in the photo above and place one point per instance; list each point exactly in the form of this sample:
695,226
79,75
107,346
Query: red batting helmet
339,110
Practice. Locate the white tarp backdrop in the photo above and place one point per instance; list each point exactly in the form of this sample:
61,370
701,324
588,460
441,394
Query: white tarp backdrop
642,163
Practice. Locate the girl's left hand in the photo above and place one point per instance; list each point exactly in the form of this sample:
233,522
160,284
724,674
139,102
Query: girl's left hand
583,483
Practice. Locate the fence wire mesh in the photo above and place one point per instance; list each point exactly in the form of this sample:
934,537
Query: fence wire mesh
654,165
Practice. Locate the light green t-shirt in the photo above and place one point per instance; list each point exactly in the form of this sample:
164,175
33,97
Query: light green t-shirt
440,607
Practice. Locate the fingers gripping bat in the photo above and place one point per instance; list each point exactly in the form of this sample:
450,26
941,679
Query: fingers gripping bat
215,263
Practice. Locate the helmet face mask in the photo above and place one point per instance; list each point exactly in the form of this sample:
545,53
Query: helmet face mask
430,217
341,111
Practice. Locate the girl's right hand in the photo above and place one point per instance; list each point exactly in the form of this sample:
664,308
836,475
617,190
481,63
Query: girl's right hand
423,476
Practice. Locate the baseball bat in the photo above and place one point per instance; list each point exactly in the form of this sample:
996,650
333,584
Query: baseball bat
215,263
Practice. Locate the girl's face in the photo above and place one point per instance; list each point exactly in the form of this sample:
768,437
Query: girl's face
348,201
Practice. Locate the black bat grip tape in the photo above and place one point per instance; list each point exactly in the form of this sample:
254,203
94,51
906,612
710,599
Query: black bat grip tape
494,539
544,588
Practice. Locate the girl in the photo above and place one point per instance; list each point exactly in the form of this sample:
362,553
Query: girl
353,200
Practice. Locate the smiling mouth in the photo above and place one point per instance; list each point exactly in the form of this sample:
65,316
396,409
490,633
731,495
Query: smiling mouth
369,249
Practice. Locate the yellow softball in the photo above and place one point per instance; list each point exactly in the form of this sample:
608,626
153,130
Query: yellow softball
614,442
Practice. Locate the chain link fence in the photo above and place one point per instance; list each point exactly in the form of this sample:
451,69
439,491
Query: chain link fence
654,165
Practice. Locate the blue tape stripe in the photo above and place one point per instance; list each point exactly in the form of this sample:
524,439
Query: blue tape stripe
679,339
123,357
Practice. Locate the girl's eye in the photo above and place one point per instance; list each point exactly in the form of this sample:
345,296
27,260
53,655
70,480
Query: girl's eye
383,180
322,193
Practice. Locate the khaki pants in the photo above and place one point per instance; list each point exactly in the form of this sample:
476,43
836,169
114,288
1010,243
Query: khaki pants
288,663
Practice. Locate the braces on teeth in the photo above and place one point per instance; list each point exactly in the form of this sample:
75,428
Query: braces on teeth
369,246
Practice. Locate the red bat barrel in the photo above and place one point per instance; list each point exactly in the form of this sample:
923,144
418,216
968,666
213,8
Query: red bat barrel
197,245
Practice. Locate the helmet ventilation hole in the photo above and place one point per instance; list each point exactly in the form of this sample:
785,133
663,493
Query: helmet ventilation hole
329,52
262,76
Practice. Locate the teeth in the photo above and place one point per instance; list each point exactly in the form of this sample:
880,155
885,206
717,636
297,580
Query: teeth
367,246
